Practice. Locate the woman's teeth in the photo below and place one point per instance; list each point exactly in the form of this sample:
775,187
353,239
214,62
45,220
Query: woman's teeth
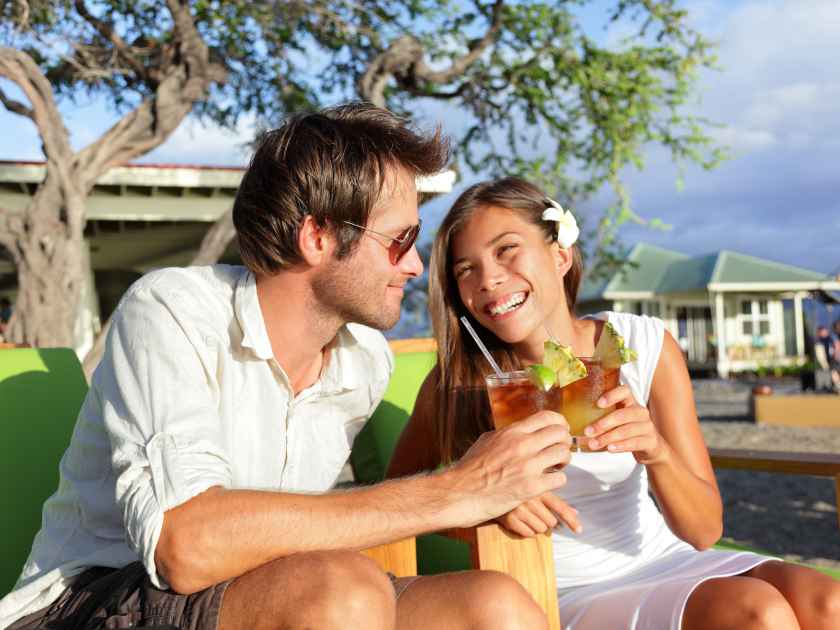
514,301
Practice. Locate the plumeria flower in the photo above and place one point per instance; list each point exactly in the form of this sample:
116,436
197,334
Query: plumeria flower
567,227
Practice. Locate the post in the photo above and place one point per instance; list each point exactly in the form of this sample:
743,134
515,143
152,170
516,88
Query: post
799,323
720,334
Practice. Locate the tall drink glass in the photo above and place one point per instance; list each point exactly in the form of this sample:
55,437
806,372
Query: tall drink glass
514,397
579,398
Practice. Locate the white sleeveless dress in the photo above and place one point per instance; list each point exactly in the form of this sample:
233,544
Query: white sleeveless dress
627,570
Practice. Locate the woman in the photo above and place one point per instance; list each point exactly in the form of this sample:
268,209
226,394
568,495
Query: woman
505,256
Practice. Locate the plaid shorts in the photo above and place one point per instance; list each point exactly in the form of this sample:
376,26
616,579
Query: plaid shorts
126,598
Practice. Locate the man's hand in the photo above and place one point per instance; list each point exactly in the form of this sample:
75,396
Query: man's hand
508,467
540,515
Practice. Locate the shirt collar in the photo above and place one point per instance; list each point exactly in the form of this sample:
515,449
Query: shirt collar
247,308
344,362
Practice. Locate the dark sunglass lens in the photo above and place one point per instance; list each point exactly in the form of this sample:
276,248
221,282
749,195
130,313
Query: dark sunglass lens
400,247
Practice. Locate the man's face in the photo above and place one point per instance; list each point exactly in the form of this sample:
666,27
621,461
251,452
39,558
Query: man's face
365,287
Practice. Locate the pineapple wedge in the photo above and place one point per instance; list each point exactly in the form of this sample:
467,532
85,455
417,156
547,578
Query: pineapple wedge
611,350
567,367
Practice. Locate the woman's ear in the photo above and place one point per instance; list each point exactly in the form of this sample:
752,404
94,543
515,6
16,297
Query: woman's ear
563,258
316,244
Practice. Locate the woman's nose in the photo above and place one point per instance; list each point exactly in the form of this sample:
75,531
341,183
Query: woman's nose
492,276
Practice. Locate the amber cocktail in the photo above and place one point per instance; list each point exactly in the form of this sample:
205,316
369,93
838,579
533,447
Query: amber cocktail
579,397
514,397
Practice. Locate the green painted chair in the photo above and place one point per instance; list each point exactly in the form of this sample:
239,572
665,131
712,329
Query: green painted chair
41,392
375,443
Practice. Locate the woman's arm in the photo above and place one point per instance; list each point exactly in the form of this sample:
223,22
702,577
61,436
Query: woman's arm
417,449
682,478
665,436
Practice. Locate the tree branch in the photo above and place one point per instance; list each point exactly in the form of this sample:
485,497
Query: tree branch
186,74
214,243
403,60
106,30
460,65
15,106
20,68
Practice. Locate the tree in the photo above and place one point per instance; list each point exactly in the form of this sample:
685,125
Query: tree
538,95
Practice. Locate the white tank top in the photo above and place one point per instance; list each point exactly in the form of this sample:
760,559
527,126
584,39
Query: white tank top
622,527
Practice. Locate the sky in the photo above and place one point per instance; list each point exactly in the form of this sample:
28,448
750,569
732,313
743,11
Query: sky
776,102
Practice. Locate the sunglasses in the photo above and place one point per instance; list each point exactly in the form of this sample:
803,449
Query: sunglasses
400,245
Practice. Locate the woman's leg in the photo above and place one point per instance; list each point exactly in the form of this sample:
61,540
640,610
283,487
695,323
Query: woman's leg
738,603
814,597
469,600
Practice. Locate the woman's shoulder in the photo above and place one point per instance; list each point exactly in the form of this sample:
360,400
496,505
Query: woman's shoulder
631,326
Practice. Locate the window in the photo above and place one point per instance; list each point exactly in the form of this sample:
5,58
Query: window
754,318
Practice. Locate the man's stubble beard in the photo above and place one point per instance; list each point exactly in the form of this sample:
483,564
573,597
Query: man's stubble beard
346,291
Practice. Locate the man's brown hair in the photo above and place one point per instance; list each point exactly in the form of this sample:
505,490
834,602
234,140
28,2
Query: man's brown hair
330,165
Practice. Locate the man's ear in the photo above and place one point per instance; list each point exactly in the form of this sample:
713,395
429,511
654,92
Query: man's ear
316,244
563,258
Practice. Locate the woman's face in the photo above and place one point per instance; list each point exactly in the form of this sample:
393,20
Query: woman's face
508,277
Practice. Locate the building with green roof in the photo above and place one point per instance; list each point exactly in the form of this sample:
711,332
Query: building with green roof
728,311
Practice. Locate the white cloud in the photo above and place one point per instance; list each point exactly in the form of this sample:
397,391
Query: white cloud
743,140
779,81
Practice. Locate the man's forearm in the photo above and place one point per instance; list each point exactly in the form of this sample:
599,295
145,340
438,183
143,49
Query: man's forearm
222,534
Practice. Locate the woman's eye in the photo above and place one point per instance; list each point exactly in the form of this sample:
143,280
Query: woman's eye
506,249
460,272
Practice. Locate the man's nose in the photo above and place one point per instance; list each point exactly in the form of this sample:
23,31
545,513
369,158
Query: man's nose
411,264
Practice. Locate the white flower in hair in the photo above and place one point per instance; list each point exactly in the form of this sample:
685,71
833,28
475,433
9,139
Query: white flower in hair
567,227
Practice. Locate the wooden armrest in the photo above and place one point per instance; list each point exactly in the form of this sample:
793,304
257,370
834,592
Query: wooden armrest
529,560
399,558
817,464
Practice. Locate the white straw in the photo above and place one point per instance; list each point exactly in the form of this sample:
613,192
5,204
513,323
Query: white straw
480,345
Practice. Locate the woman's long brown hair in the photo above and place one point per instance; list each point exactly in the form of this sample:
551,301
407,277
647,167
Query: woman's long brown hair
460,397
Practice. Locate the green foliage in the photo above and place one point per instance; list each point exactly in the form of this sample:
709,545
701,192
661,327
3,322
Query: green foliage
529,89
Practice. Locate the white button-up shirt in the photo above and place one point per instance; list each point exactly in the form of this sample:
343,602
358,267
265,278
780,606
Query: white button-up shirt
189,396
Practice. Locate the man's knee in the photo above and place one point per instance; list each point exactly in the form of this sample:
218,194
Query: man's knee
355,593
324,590
496,601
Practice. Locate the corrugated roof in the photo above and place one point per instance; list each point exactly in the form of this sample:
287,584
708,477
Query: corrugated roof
693,274
738,268
651,264
664,271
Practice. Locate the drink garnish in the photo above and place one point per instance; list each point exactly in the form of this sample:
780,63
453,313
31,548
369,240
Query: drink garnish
611,350
560,367
542,376
567,367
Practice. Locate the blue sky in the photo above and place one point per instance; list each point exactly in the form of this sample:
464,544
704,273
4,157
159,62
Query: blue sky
776,98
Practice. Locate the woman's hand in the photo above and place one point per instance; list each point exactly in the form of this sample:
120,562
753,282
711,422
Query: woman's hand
540,515
628,428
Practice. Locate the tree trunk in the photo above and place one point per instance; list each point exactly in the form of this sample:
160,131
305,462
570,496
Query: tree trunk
215,242
218,237
46,247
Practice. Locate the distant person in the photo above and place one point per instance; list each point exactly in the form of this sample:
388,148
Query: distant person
505,256
5,316
196,488
834,359
823,357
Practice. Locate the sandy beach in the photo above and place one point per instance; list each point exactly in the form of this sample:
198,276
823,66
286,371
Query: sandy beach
793,516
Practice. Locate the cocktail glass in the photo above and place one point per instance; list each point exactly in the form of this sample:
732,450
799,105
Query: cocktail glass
514,397
579,399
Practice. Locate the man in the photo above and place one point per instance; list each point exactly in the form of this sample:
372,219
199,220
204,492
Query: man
194,491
